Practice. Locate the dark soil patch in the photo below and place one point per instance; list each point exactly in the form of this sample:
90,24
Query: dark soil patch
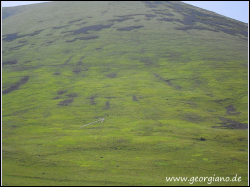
169,82
68,59
17,47
122,19
88,37
83,38
93,27
24,80
16,85
168,19
107,106
60,27
92,100
150,15
231,110
162,12
129,28
129,16
71,40
77,70
57,97
75,21
230,124
10,62
49,42
135,98
192,17
110,97
222,100
32,34
57,73
194,27
112,75
82,23
202,139
66,102
61,92
10,37
79,63
72,95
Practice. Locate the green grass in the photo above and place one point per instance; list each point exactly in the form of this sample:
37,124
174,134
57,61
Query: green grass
140,142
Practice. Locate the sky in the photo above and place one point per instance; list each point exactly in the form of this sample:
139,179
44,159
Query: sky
237,10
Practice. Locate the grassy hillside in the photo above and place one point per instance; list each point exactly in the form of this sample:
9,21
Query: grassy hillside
170,80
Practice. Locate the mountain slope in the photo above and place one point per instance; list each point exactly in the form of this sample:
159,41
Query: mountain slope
170,79
11,11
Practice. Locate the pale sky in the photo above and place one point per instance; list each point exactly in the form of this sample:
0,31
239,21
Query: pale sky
237,10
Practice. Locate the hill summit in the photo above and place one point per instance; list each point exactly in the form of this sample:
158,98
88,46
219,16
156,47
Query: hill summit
170,80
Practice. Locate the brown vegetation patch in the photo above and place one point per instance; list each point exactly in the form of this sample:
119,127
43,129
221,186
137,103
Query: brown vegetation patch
10,37
110,97
16,85
135,98
60,27
93,27
61,92
92,100
71,40
10,62
83,38
168,81
75,20
129,28
57,97
107,106
72,95
230,124
77,70
88,37
79,63
121,19
68,59
66,102
17,47
57,73
231,110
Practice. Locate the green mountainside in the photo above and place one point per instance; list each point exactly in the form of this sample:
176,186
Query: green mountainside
169,79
